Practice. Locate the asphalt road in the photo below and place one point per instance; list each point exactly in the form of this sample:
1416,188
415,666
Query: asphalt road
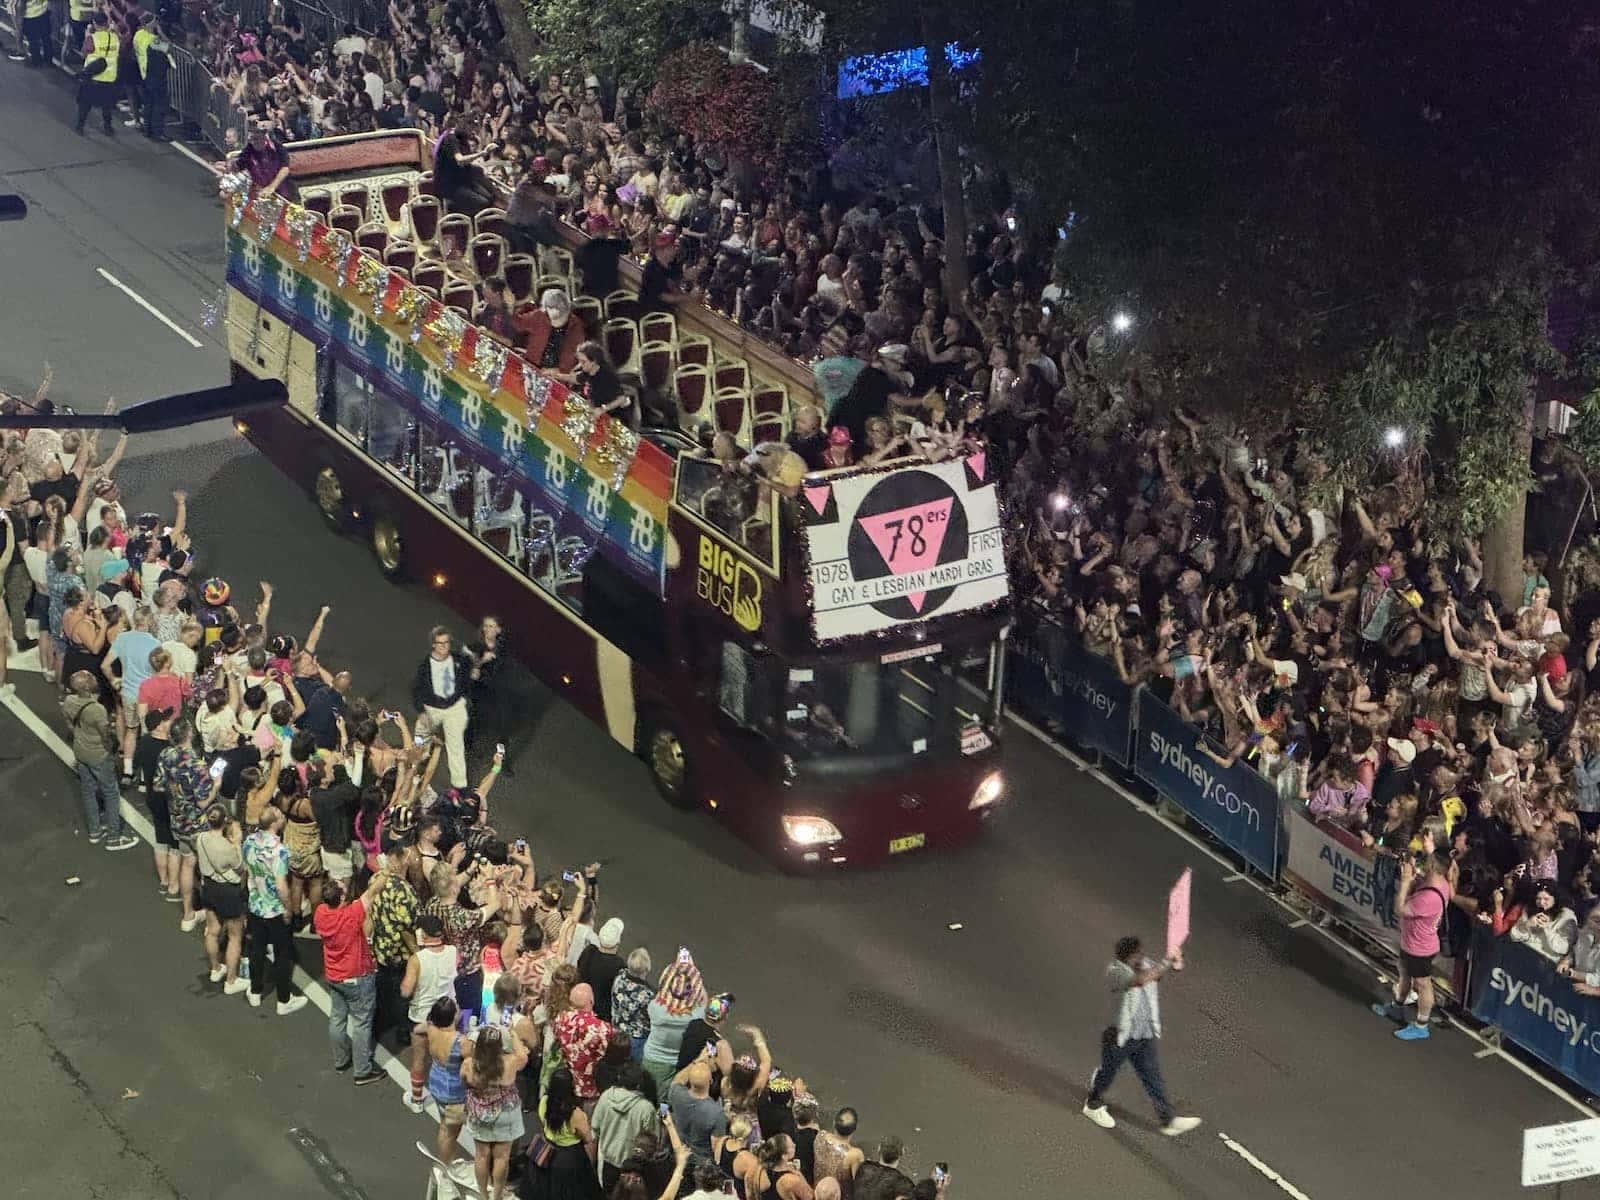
974,1043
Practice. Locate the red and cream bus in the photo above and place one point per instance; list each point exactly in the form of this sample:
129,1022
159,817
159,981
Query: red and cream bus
798,664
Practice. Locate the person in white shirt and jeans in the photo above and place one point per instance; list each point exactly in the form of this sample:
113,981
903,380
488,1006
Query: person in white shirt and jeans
1133,1035
439,689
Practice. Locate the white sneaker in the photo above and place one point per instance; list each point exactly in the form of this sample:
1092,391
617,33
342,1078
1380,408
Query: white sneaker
129,123
255,997
1100,1116
308,934
218,974
123,841
237,986
295,1003
1180,1125
418,1106
190,924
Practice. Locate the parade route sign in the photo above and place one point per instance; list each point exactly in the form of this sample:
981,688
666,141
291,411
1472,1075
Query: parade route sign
1558,1153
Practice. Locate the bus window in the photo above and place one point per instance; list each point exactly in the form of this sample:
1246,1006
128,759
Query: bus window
391,435
744,688
352,396
730,500
907,707
444,475
497,514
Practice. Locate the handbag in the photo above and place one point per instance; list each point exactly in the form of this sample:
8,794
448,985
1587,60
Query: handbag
540,1151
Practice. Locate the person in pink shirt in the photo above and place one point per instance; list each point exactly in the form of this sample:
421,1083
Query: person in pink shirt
1342,798
163,691
1420,907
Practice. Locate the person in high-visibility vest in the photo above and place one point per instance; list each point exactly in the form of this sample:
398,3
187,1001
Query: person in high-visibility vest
97,86
150,53
77,26
36,29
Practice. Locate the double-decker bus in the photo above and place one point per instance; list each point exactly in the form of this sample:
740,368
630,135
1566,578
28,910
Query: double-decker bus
819,666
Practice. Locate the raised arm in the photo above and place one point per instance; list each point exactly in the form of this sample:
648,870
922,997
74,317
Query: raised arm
315,636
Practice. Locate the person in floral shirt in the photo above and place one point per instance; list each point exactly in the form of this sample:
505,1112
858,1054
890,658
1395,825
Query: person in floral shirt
266,862
630,999
583,1037
395,909
183,776
463,929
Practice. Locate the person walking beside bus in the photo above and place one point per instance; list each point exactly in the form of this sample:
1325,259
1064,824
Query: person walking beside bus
439,689
97,88
1133,1035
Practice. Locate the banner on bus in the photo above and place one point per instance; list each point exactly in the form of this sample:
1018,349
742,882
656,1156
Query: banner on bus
1352,881
568,481
1234,803
1518,991
901,544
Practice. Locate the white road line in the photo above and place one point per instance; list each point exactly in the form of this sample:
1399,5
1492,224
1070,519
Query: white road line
1284,1185
1138,805
191,155
391,1064
149,308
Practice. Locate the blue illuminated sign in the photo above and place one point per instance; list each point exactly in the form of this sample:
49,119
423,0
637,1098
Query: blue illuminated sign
875,74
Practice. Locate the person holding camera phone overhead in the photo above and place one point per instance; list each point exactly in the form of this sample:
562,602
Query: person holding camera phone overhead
1132,1036
1420,909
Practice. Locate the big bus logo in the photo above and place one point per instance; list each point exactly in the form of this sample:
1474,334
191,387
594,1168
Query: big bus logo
910,530
726,582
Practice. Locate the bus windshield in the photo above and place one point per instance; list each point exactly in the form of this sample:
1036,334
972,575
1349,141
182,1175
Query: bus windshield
912,705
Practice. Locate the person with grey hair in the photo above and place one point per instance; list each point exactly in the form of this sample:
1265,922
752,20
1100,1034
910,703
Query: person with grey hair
631,994
552,334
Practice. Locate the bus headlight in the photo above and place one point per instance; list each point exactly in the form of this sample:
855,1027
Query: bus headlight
989,791
810,831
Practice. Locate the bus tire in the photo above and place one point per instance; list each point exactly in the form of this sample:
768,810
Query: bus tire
328,491
388,545
668,760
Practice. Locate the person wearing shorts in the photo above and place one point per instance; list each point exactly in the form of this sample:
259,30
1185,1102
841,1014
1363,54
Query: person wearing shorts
153,739
186,779
446,1048
222,876
1420,907
304,842
334,800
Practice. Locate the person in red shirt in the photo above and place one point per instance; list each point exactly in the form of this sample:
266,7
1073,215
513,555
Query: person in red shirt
345,927
583,1037
164,691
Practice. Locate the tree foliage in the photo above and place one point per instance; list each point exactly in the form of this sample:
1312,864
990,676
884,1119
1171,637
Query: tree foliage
1346,215
620,40
764,119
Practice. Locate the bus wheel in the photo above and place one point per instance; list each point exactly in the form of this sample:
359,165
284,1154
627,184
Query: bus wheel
669,766
330,497
388,546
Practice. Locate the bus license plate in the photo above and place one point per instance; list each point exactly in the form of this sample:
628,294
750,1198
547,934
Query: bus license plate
914,841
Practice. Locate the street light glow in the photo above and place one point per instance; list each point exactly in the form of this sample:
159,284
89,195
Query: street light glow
1121,322
1394,437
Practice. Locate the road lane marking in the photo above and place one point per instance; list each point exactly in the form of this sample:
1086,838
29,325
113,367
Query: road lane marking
1140,806
390,1064
190,154
149,308
1288,1188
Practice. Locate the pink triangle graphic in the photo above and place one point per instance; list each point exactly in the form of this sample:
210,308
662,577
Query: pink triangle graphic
910,538
977,462
818,496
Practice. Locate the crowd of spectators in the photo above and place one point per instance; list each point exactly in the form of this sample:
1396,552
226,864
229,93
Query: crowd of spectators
288,812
